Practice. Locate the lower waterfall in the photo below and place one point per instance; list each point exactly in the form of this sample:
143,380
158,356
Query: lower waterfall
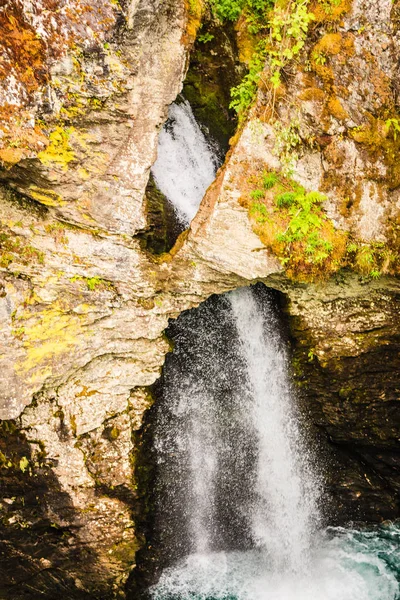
238,493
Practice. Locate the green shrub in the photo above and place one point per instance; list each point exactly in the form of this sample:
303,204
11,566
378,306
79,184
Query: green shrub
228,10
287,34
257,194
285,199
269,180
259,212
243,94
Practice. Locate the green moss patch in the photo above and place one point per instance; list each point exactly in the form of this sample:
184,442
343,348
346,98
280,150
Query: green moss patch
293,225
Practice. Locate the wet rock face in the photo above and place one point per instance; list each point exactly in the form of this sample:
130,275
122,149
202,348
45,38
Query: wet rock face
214,69
49,545
346,363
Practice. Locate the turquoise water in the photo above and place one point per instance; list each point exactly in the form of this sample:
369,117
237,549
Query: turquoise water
343,565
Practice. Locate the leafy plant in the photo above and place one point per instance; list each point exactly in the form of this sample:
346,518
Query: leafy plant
288,32
254,11
269,180
393,125
329,5
257,194
287,140
372,260
243,94
205,37
285,199
259,212
319,58
227,9
291,222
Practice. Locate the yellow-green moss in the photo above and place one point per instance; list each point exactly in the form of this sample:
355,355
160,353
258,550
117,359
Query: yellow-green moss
382,143
58,231
93,283
45,196
59,151
13,248
48,334
372,260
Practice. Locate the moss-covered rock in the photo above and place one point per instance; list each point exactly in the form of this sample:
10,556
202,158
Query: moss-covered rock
214,69
163,226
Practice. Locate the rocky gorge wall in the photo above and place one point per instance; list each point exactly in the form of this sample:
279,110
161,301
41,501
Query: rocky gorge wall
84,305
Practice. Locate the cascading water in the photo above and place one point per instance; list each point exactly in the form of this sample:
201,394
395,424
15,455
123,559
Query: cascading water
186,162
237,489
285,512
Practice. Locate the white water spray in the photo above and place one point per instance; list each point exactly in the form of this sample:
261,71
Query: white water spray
186,163
285,511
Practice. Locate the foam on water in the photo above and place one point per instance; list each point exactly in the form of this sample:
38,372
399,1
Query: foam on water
344,565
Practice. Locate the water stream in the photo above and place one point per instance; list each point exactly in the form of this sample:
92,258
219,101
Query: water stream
186,163
238,492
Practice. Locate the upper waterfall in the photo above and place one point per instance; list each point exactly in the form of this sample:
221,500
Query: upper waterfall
186,164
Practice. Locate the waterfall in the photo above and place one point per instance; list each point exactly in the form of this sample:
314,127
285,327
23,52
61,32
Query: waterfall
285,512
186,162
237,490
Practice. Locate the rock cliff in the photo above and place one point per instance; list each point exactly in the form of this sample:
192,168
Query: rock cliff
85,88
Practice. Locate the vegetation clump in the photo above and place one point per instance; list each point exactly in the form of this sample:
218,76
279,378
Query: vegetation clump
372,260
291,222
13,248
280,29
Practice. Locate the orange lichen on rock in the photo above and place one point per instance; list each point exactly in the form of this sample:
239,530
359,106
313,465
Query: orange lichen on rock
330,44
331,50
20,138
28,40
194,11
329,11
336,109
31,39
313,93
21,50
